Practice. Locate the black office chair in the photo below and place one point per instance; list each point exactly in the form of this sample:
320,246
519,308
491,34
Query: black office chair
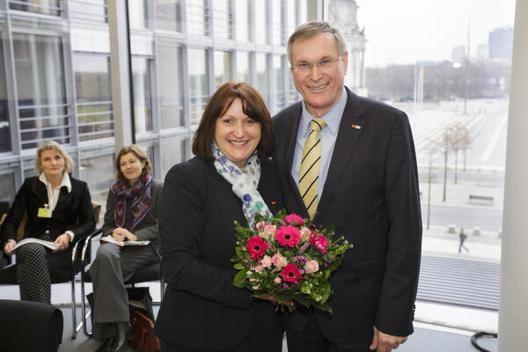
30,326
79,261
151,272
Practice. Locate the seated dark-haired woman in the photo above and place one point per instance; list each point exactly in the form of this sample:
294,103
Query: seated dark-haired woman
58,208
230,178
131,214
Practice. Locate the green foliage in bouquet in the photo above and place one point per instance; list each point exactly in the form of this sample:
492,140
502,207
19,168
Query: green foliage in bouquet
288,260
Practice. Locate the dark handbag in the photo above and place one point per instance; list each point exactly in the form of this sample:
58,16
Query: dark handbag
139,298
142,320
143,338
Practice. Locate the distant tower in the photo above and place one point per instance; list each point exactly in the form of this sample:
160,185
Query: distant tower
501,43
343,15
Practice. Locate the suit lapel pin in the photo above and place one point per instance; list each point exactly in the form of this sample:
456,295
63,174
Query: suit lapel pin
355,126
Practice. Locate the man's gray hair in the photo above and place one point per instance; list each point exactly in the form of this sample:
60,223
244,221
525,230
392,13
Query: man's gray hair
311,29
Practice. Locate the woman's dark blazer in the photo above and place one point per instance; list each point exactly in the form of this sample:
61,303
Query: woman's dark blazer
73,212
148,228
201,310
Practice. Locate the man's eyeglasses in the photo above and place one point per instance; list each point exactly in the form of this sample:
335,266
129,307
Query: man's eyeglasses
324,65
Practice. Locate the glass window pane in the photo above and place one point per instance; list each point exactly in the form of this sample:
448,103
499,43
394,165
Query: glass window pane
92,11
292,95
47,7
5,133
261,21
456,97
222,63
7,187
173,151
242,20
278,72
94,96
170,85
142,94
242,67
303,12
99,172
291,24
149,146
198,83
169,15
138,13
29,170
223,18
276,23
197,19
262,76
43,111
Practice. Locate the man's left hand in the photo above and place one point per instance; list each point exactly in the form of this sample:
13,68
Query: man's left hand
382,342
63,241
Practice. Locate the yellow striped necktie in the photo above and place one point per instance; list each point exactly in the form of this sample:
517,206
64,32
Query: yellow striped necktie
310,166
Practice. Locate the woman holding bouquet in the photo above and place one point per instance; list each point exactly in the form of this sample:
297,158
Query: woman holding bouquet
230,179
131,214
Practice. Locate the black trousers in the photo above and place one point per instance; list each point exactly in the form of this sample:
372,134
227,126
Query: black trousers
311,339
255,341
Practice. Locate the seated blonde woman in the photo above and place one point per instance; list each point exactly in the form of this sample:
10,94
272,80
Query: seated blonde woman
59,209
131,214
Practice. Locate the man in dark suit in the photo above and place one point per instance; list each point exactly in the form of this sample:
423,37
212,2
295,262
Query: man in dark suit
349,162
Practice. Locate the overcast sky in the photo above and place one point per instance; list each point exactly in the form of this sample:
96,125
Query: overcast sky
405,31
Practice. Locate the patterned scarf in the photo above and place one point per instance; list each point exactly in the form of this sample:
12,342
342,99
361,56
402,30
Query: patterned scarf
244,184
132,201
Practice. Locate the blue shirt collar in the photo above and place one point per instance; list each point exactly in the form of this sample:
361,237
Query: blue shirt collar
332,117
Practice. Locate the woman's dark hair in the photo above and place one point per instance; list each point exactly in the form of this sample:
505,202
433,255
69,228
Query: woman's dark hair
253,106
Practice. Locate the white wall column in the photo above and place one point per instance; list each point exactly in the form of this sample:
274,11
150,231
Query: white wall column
513,313
120,72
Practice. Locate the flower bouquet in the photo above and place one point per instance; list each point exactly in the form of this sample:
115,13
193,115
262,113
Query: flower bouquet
289,260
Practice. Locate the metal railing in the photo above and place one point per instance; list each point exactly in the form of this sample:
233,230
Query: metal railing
39,122
95,120
198,19
35,6
88,10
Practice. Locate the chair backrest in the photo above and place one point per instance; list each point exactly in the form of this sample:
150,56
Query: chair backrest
30,326
97,210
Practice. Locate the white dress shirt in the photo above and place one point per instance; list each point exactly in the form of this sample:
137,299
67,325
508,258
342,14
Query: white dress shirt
328,139
53,193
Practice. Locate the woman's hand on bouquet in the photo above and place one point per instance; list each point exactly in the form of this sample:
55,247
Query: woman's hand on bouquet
273,299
